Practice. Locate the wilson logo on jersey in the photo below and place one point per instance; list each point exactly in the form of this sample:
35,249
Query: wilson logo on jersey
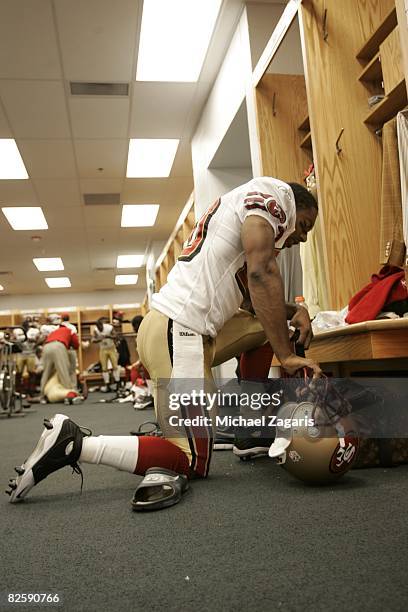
264,201
195,241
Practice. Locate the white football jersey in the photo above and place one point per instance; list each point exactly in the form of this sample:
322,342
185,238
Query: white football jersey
103,336
208,283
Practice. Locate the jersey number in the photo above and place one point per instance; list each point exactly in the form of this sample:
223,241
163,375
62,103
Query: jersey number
195,241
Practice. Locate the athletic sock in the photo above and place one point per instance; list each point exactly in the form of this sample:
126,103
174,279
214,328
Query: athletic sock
120,452
134,454
105,377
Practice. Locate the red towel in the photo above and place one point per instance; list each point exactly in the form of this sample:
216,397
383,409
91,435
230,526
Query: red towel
387,286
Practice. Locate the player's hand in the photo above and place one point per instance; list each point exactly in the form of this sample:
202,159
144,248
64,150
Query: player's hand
293,363
302,322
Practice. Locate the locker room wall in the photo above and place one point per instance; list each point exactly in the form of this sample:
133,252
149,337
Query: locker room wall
50,300
262,19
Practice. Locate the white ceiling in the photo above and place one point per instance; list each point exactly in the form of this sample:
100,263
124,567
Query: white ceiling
75,145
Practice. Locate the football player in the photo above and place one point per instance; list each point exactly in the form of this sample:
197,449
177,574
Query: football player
104,334
193,325
26,342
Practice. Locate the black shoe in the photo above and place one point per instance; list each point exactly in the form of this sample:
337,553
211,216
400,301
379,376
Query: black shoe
60,444
142,402
247,448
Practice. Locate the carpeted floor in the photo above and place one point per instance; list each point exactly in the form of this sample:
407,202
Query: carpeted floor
248,538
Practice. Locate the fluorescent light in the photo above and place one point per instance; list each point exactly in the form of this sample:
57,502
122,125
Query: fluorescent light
126,279
174,39
130,261
151,157
11,164
56,283
1,288
48,264
139,215
25,217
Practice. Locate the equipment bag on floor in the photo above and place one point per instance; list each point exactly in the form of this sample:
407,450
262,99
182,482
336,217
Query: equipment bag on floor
381,452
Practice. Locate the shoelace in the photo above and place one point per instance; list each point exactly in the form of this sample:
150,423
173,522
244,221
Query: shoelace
77,470
75,466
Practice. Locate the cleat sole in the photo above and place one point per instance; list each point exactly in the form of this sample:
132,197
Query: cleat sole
25,482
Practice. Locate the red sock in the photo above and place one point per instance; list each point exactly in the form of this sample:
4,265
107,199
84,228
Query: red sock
255,364
159,452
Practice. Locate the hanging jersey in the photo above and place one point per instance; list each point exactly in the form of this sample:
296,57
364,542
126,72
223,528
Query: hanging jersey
105,341
205,288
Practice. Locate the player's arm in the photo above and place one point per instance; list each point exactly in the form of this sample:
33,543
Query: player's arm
299,319
74,341
95,336
297,315
266,289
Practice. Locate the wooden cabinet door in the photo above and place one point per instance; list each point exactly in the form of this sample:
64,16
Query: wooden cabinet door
350,180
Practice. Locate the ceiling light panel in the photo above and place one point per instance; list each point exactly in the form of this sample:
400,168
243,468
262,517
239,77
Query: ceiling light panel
48,264
1,288
151,157
139,215
57,283
126,279
11,163
174,39
130,261
25,217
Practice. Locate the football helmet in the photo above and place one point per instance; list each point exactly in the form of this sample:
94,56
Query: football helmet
54,319
18,334
309,446
33,334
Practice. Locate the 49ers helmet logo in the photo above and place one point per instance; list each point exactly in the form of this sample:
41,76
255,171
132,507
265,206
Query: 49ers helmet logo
344,456
276,210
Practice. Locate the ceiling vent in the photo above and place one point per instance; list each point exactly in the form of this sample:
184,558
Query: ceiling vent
104,269
99,89
101,199
5,273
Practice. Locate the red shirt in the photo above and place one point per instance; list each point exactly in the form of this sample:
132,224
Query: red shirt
65,335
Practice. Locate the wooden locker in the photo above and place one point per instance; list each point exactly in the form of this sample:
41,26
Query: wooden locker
348,156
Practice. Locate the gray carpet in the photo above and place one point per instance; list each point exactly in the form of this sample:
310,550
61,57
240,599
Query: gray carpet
248,538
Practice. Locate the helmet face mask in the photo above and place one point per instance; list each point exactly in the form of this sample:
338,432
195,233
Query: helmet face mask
311,448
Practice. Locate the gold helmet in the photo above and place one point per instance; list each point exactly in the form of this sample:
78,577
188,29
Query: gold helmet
309,447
